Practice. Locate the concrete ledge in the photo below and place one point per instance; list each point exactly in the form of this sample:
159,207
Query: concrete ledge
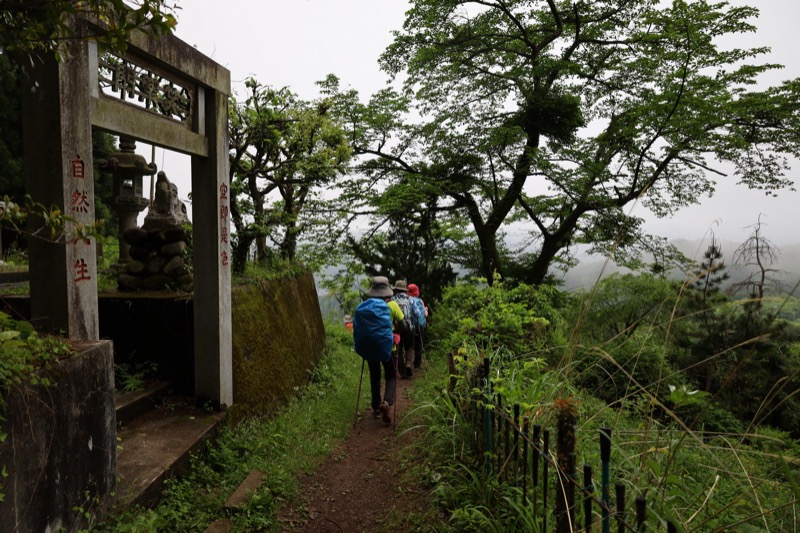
60,452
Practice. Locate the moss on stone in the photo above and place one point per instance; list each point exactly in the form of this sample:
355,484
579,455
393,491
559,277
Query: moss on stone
278,337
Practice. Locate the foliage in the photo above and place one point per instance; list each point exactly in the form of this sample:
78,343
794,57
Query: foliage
10,130
23,352
273,268
342,286
562,114
284,152
694,461
36,28
133,377
522,319
618,305
105,213
414,248
47,223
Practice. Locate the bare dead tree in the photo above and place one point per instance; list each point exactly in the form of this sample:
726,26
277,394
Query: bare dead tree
758,253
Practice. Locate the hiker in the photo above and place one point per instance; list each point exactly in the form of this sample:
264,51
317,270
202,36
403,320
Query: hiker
406,328
413,294
374,340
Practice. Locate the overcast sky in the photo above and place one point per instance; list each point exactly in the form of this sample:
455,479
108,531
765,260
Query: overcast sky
297,42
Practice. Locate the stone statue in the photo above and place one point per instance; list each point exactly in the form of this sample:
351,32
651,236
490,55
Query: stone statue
167,210
158,250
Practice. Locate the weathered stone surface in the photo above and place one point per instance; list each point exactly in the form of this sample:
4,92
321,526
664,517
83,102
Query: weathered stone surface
157,238
167,209
173,249
175,234
61,445
159,282
126,282
175,266
156,264
138,252
242,493
159,253
134,267
135,236
186,282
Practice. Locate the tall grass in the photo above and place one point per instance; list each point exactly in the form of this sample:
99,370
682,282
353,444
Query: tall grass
666,447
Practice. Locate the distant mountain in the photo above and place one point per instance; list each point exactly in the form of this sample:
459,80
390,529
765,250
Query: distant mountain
592,268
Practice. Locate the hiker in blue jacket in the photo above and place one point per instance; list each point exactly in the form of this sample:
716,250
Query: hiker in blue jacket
405,351
373,334
422,322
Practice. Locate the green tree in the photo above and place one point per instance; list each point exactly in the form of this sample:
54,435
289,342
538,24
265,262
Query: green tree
284,153
622,303
34,27
10,130
415,247
565,113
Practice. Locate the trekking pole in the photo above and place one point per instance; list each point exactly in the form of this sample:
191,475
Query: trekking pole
358,398
421,345
396,379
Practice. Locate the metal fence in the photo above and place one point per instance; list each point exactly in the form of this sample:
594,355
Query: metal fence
522,455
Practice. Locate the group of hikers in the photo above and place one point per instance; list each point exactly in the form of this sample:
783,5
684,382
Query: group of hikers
387,333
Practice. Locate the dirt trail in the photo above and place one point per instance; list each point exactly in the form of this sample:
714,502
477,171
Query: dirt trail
360,486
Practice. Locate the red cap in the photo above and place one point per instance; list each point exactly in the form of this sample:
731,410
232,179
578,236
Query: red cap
413,290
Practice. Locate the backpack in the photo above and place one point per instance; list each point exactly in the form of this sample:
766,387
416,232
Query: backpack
372,330
419,306
409,324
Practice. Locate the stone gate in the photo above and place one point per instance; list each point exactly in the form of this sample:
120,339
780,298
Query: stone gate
162,92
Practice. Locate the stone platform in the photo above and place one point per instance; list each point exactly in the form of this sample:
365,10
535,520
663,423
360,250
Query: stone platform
157,444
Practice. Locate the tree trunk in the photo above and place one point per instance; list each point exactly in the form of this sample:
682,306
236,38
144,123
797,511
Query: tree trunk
490,259
241,250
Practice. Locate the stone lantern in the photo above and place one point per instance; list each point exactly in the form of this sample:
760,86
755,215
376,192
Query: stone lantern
129,169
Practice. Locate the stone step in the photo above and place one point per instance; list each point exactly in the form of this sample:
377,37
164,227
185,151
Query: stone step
158,445
237,501
131,404
245,489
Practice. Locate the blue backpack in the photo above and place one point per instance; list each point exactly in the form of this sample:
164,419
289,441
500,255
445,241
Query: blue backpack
372,330
419,307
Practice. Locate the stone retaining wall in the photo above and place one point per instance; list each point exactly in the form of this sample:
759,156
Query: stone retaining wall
278,338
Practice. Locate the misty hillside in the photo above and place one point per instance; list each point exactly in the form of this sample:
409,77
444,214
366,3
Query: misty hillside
591,268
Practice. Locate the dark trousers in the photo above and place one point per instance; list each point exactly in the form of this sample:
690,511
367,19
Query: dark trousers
418,350
375,381
405,352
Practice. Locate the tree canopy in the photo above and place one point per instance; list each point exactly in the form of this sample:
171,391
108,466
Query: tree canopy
284,153
562,114
32,27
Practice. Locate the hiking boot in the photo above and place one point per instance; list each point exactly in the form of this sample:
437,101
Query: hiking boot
376,413
384,412
409,372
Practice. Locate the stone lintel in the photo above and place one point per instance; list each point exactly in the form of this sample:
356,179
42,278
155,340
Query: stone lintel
115,117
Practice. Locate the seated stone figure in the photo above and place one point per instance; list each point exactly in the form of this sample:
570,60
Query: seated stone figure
167,209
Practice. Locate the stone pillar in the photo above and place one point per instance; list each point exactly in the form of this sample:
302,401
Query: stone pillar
58,171
212,263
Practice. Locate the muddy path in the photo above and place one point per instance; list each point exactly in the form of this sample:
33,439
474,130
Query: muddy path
367,484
